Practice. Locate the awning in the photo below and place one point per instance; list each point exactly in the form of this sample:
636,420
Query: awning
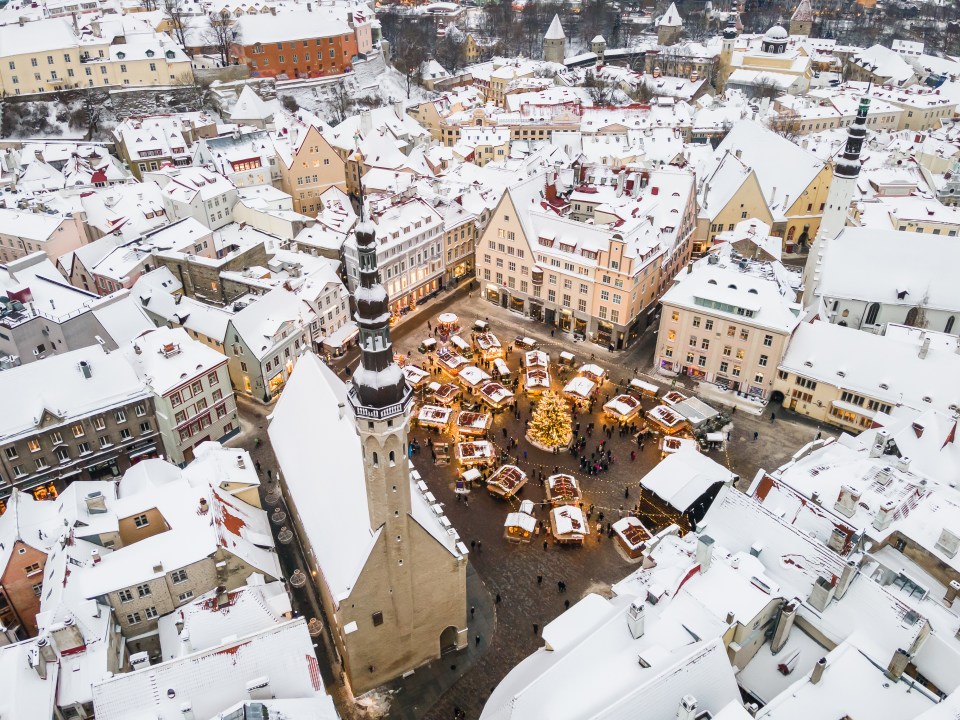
142,451
342,335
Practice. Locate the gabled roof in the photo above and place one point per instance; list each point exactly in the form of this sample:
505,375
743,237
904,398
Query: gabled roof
671,18
803,13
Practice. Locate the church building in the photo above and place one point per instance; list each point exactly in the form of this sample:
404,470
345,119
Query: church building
390,571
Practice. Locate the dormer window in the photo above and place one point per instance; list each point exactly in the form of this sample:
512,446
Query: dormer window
121,55
150,53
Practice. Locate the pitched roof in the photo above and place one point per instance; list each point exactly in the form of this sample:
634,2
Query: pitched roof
555,31
803,13
671,18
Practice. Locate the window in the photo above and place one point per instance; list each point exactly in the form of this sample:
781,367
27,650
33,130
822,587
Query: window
121,416
758,378
11,453
184,596
150,613
134,619
731,330
179,576
804,382
708,325
736,371
125,596
124,434
767,340
762,362
744,334
141,521
41,463
78,431
377,619
32,569
693,341
696,321
675,315
56,438
144,590
872,312
724,366
140,410
145,428
84,448
63,455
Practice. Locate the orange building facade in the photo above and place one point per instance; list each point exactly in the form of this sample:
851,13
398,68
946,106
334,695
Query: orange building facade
300,57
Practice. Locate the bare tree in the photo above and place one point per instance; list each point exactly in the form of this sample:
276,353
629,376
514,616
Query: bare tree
148,5
222,35
176,17
601,91
408,59
786,125
197,91
341,103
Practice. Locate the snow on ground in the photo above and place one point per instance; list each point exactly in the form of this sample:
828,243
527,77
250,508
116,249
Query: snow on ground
375,704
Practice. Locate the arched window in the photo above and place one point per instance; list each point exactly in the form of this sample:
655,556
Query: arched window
376,460
872,312
393,458
949,326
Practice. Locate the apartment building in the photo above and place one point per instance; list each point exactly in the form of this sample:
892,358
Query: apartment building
591,260
296,44
151,141
459,239
727,320
198,193
409,251
308,164
48,55
193,399
79,415
24,232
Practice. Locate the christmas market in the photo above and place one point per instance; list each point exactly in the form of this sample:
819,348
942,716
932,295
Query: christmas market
433,416
666,420
447,393
643,388
536,380
592,372
519,527
563,489
416,377
622,408
670,444
461,346
632,536
472,423
451,362
506,481
489,346
569,525
476,452
536,359
473,378
580,390
496,395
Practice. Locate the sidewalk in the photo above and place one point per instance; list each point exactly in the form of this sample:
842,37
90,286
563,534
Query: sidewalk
711,393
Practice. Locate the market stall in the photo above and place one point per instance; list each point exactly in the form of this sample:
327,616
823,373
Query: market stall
496,395
475,452
666,420
568,525
644,389
427,345
536,358
566,358
447,394
501,371
622,408
670,444
536,380
489,346
579,390
592,372
434,416
461,346
519,527
416,377
632,536
473,423
451,362
473,378
506,481
448,322
563,489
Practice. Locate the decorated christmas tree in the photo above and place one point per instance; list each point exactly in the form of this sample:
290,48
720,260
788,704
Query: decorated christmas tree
550,425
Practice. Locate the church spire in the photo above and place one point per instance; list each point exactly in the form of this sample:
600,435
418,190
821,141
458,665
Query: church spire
379,387
848,166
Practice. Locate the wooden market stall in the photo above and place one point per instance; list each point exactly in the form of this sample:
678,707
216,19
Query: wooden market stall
622,408
451,362
670,444
473,424
501,371
592,372
434,416
496,395
473,378
632,536
568,525
666,420
536,358
536,380
416,377
461,346
475,452
563,489
506,481
643,388
519,527
489,345
447,393
580,390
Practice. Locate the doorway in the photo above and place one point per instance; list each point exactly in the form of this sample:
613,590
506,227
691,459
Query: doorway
448,640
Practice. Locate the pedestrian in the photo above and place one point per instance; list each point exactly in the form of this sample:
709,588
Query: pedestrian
524,455
257,466
544,545
269,474
819,434
560,586
477,639
773,416
498,599
540,577
473,611
536,628
633,455
755,436
566,604
626,494
479,546
504,432
473,544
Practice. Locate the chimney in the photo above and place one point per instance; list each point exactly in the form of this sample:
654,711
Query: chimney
688,708
704,552
86,369
96,502
186,647
817,673
815,497
898,663
690,267
259,688
924,348
847,575
738,152
781,633
398,108
837,540
847,500
884,516
37,662
953,589
948,543
309,7
95,556
139,660
636,615
67,636
822,593
885,475
366,122
731,617
45,648
903,464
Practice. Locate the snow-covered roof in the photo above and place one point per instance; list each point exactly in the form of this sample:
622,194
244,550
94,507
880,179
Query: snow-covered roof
312,420
167,358
671,18
555,31
259,322
26,694
250,106
37,37
684,476
213,680
848,358
285,27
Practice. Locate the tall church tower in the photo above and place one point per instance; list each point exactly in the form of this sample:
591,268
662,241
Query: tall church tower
413,585
801,22
555,42
842,189
726,52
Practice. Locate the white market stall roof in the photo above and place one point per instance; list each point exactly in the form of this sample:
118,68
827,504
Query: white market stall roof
434,415
448,318
682,477
521,520
593,371
623,405
645,386
579,386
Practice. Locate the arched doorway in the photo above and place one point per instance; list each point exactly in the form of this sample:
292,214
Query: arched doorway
912,315
448,639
